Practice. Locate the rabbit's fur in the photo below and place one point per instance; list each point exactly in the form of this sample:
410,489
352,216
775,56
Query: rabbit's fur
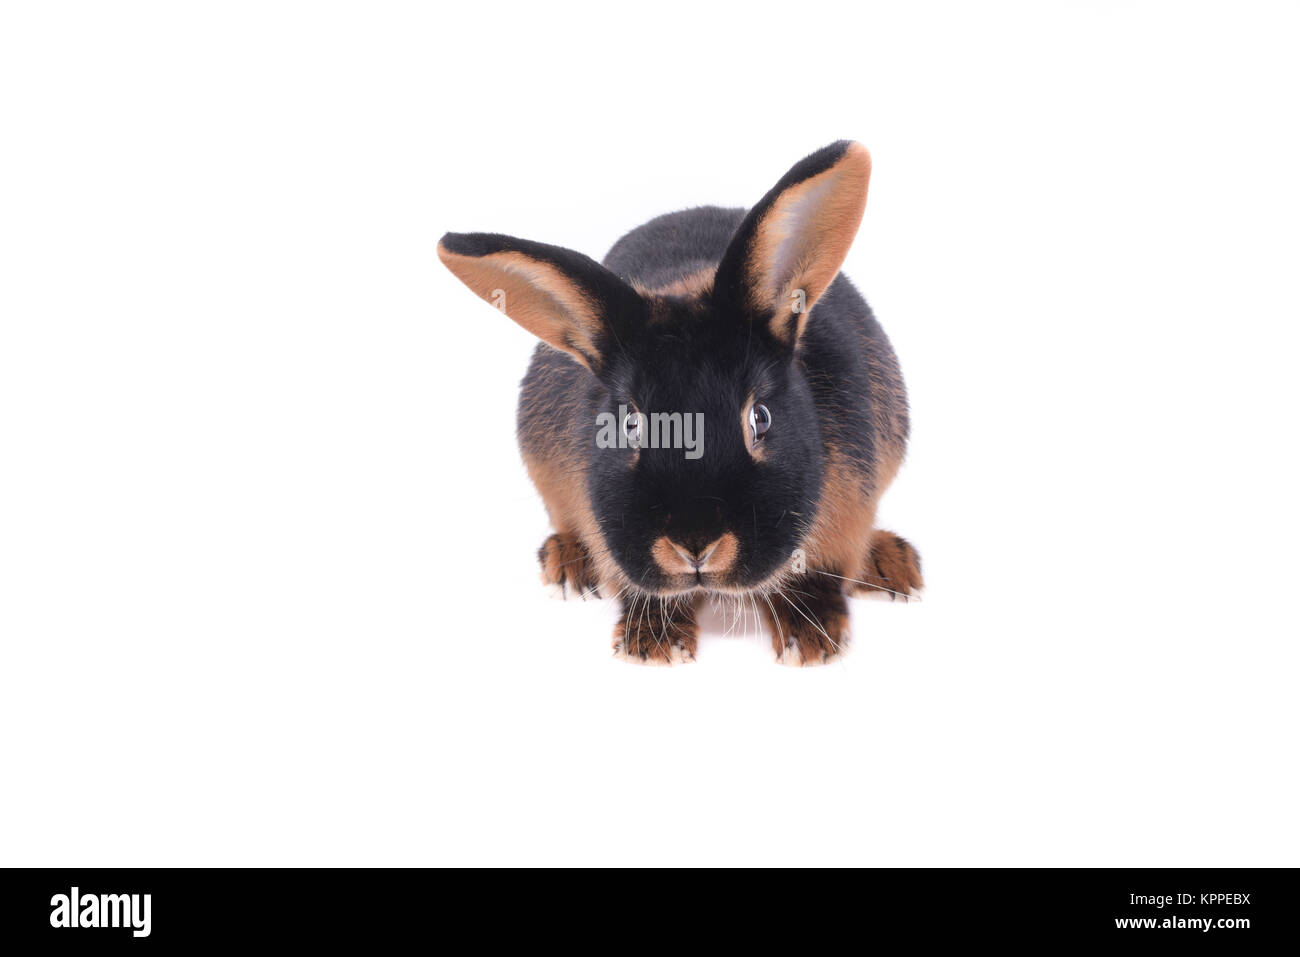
712,311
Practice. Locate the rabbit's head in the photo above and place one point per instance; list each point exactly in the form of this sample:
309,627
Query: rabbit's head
703,452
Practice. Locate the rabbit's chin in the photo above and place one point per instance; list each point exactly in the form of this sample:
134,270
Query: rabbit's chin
686,585
704,584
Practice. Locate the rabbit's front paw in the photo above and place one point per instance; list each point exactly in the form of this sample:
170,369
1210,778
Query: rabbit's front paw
656,632
809,621
566,567
893,569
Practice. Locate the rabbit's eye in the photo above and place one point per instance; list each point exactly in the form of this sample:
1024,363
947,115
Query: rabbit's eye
760,420
632,429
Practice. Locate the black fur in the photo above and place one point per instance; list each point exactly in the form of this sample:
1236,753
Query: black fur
692,360
698,356
708,348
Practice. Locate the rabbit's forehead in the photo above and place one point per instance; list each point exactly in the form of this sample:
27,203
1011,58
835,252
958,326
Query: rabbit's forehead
691,380
685,376
695,358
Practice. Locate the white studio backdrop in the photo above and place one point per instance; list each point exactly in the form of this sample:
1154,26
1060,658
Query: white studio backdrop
268,587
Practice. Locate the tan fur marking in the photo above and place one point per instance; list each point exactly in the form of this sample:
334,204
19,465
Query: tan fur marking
802,240
725,551
534,294
845,515
689,286
564,492
722,555
755,448
842,532
666,557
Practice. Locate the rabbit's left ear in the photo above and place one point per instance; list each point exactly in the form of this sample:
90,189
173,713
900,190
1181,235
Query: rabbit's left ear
790,247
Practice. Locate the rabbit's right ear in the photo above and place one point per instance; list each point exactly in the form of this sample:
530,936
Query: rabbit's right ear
564,298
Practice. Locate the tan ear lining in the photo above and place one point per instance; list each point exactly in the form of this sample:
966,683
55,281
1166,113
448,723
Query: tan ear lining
802,240
535,294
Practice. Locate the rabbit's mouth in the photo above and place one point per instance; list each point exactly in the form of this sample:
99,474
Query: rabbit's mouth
711,567
698,582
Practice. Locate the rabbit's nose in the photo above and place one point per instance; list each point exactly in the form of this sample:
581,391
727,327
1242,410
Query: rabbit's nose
698,555
693,557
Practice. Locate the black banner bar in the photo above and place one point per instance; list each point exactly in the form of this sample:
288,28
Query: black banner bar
97,909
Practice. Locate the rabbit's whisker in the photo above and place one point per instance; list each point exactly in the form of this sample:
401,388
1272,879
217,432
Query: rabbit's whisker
872,585
812,622
776,621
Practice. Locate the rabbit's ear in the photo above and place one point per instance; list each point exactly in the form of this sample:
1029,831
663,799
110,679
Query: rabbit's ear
790,246
562,297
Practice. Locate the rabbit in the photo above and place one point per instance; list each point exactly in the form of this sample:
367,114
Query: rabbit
742,321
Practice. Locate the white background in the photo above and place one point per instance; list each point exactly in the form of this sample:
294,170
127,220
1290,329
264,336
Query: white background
268,590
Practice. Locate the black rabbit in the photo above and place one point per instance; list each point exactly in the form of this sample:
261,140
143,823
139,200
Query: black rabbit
738,325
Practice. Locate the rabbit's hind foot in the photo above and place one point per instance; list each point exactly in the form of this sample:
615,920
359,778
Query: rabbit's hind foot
892,571
566,568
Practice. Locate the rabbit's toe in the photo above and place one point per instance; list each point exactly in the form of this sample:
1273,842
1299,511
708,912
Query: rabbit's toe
656,634
799,643
893,570
566,568
808,621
